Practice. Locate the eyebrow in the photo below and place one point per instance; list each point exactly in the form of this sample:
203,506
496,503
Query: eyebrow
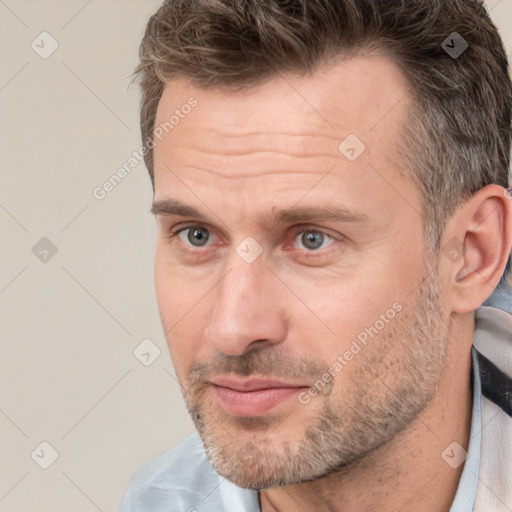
168,207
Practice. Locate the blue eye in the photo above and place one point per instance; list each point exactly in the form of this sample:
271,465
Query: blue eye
313,240
197,236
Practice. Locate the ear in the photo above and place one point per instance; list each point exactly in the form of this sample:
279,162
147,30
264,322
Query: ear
475,248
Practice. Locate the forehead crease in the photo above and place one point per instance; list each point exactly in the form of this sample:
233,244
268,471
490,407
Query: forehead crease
222,142
209,167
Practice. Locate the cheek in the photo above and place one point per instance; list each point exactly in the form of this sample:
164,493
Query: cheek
347,315
175,293
183,306
167,289
341,309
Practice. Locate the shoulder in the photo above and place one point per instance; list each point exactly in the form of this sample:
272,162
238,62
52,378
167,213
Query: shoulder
493,343
493,336
180,476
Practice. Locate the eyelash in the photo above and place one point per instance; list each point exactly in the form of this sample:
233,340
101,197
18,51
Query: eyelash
297,231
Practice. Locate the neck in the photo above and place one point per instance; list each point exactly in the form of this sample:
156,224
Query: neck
408,473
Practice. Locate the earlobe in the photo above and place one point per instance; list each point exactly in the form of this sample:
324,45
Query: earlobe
483,231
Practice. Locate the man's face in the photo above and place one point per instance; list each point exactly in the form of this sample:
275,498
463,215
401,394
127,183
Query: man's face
302,341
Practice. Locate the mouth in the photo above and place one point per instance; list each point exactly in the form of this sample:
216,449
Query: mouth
254,396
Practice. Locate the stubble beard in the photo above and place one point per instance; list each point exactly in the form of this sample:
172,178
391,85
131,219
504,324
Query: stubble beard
396,377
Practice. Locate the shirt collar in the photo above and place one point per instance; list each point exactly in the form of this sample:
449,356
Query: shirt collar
468,483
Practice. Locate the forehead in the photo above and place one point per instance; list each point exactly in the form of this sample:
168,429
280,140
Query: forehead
364,94
295,115
274,136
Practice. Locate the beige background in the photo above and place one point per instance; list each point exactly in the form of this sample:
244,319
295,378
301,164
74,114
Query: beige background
70,324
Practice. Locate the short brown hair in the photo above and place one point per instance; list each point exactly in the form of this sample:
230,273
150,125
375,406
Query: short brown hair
458,133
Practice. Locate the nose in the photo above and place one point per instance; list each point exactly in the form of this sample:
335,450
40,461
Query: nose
249,309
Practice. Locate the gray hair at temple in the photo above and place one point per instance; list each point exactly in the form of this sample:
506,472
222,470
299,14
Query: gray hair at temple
457,136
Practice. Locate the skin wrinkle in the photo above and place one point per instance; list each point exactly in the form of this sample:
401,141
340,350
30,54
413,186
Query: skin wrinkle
377,424
236,177
267,136
307,161
270,141
267,151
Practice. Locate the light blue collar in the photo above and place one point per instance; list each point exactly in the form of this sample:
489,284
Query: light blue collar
466,492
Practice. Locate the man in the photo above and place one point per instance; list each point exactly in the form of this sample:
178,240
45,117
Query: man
330,187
